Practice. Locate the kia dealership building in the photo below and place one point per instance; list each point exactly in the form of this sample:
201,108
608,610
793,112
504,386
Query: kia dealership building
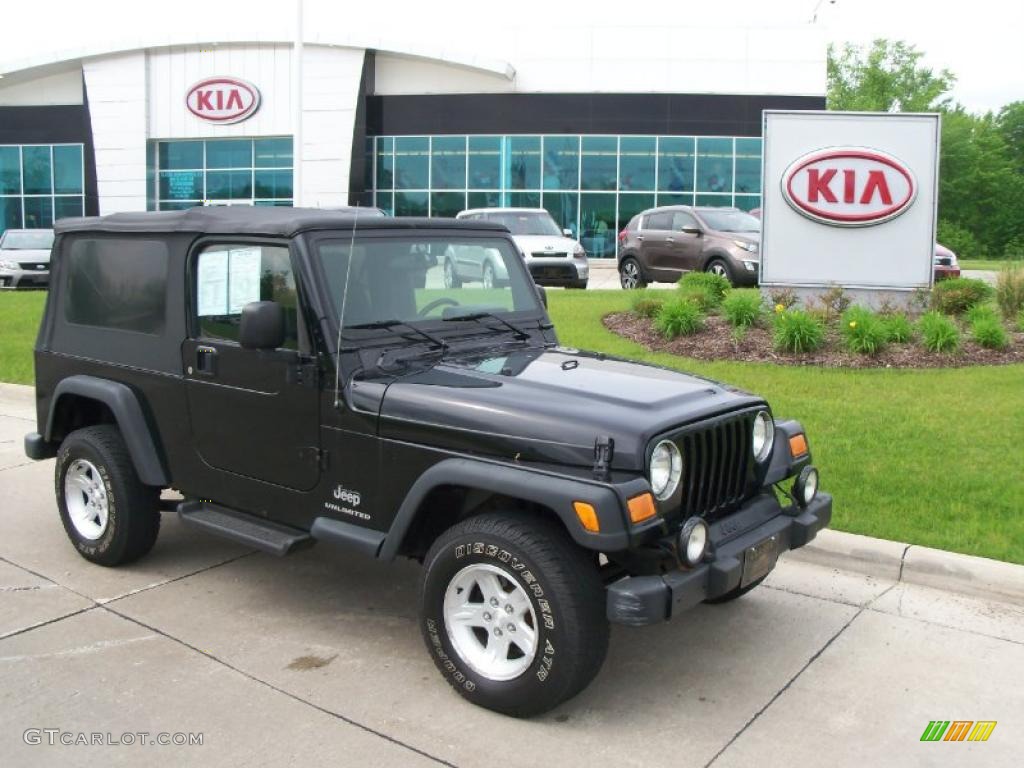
594,124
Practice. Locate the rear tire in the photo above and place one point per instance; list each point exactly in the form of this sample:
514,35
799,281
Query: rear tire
110,516
631,276
548,624
451,275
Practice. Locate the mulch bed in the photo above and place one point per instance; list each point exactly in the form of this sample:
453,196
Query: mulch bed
716,342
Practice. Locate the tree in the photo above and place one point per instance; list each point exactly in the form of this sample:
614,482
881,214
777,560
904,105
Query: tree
886,77
1011,126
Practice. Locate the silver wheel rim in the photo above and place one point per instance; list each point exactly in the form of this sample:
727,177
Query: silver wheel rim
488,276
630,275
85,497
449,275
490,622
718,269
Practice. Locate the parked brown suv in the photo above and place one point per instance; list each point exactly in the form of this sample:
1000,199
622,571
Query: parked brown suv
660,244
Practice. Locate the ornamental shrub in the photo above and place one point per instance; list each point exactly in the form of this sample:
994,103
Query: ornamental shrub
863,331
679,317
939,333
956,296
743,308
797,331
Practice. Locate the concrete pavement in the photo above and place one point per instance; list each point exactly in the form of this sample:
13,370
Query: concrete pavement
316,659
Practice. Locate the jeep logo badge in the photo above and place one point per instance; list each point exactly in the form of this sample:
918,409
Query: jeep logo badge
223,100
849,186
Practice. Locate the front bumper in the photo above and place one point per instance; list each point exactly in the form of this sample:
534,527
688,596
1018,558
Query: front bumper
559,271
23,278
945,273
640,600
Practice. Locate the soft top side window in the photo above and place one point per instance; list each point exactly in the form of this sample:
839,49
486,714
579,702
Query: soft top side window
227,276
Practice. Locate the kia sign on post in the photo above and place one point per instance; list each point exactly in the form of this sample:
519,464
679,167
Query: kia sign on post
849,199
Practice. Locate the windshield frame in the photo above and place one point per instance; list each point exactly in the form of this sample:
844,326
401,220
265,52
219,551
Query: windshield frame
705,216
452,330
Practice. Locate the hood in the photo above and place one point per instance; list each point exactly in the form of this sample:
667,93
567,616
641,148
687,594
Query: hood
531,244
943,252
549,405
28,255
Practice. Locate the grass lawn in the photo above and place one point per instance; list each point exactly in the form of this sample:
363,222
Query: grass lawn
933,457
20,312
993,265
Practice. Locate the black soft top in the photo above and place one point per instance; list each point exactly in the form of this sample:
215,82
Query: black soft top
272,221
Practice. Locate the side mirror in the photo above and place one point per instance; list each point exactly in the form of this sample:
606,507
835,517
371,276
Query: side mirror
543,295
567,232
262,325
692,231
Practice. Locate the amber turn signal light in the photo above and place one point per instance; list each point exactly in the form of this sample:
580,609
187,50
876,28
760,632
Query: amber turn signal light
797,445
641,508
587,515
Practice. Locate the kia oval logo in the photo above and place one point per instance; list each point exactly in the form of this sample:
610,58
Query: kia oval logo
849,186
223,100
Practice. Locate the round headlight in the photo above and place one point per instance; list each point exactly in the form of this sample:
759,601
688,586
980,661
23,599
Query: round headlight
666,469
764,435
693,541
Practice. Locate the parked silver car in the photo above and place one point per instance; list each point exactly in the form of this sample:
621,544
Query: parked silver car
25,258
551,254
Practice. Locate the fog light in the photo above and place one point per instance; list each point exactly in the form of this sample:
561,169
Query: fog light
806,486
693,541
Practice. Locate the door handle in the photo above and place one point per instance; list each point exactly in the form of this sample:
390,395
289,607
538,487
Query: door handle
206,361
640,238
670,239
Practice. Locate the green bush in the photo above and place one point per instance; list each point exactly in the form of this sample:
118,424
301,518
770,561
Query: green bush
715,286
959,240
797,331
743,308
980,312
898,328
956,296
863,331
679,317
1010,289
939,333
1014,248
645,305
782,297
988,331
1020,321
705,298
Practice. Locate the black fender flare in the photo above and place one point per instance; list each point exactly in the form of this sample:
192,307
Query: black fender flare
553,491
124,404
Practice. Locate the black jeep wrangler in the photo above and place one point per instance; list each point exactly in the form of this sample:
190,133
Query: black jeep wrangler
286,373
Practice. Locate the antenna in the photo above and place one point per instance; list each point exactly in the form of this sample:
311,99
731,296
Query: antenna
341,312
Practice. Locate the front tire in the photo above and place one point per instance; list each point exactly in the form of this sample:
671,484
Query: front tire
110,516
451,275
720,268
630,275
513,613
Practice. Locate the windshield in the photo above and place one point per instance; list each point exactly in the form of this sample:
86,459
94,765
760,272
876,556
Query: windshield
731,221
39,240
415,278
527,222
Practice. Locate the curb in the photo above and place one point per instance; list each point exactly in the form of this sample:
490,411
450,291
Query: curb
878,558
913,564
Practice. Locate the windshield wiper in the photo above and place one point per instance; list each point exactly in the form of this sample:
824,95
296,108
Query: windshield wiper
481,314
388,324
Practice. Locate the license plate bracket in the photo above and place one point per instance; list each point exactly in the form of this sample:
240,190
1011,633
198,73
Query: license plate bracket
759,559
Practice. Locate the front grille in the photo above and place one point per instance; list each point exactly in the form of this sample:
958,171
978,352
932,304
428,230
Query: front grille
555,271
549,254
717,465
33,265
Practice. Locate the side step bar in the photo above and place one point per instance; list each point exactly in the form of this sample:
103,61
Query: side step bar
242,528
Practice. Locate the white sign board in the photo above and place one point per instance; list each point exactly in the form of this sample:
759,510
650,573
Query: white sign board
849,199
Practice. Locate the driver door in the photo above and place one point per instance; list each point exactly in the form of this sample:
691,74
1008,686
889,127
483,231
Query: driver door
253,413
686,246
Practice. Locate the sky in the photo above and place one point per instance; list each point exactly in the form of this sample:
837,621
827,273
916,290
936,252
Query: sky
979,42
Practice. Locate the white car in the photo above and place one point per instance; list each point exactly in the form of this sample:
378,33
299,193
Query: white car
553,257
25,257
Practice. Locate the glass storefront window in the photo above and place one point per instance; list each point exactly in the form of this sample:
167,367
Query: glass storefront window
448,162
195,172
40,183
597,224
599,162
714,165
484,162
523,170
748,166
636,162
591,185
412,166
561,162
